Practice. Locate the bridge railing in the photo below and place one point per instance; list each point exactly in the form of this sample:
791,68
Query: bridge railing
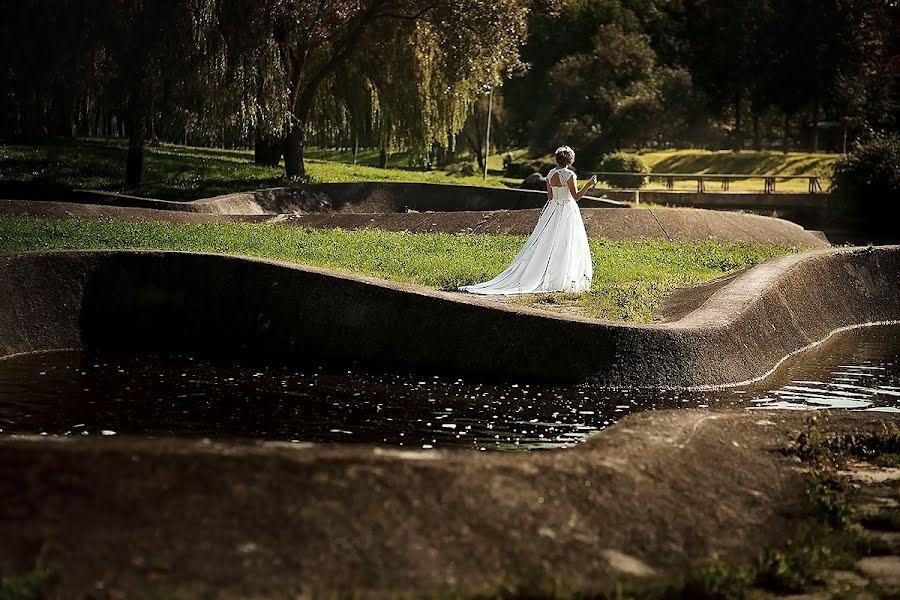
723,178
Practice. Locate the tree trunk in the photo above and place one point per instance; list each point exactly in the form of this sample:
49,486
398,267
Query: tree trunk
382,157
757,141
477,149
153,137
786,139
134,162
738,134
137,134
267,150
294,166
844,138
815,125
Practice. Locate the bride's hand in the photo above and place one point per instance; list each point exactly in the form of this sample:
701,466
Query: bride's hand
593,180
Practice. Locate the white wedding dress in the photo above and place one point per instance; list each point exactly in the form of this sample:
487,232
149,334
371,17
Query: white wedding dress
555,258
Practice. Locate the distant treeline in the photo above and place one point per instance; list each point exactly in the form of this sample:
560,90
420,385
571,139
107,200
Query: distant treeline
802,74
415,75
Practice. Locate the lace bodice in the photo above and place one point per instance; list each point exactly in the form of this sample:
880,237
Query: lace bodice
561,192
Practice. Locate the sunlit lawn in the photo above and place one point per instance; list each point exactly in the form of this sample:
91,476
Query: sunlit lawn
184,172
630,277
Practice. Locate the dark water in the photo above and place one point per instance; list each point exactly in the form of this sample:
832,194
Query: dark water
70,393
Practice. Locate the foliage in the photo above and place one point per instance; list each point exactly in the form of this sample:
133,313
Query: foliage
402,71
654,73
866,182
466,169
630,277
526,168
398,71
36,585
621,162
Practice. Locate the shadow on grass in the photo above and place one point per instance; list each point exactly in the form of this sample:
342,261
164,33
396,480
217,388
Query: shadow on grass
170,172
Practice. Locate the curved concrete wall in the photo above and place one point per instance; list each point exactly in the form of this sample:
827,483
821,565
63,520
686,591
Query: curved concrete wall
681,225
377,197
197,302
362,197
674,224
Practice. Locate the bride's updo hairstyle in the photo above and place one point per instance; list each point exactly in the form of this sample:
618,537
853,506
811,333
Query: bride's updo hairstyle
565,156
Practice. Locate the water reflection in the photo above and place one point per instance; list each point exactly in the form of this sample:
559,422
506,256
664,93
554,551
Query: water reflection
67,393
857,369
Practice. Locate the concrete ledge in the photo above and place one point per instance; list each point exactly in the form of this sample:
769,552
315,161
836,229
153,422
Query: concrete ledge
202,303
362,522
723,199
378,197
361,197
681,225
646,500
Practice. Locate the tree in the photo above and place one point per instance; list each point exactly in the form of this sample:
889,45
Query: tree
464,42
600,97
728,41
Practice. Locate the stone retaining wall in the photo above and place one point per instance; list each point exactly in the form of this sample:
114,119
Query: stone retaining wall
203,303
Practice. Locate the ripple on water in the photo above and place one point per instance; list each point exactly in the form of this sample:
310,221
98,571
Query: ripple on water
69,393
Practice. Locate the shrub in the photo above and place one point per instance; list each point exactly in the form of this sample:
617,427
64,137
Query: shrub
866,183
621,162
462,169
526,168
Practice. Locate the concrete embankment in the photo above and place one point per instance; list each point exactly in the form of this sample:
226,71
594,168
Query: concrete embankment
198,302
643,500
640,503
361,197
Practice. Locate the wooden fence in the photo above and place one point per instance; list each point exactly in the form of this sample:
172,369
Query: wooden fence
724,179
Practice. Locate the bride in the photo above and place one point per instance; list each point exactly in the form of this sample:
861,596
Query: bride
556,257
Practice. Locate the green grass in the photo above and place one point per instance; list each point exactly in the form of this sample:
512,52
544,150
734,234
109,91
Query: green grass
750,162
630,277
177,172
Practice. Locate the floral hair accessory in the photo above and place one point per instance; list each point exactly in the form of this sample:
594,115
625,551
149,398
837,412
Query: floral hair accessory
566,151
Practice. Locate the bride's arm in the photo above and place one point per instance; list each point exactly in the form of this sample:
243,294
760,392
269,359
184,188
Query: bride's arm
584,189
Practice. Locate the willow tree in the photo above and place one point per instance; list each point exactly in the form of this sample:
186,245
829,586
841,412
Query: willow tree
124,60
447,48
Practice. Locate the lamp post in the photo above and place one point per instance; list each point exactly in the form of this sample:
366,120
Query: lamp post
487,137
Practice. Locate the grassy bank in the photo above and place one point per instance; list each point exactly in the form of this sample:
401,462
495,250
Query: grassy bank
750,162
630,277
175,172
